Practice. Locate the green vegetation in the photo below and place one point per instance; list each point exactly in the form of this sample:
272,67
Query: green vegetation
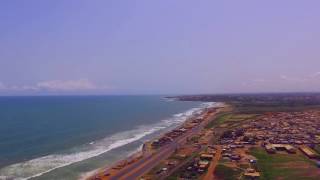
172,178
227,173
284,166
222,119
213,123
229,117
317,148
263,102
195,138
240,117
244,166
182,170
263,107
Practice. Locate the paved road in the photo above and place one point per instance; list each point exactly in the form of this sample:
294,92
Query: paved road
149,161
149,164
146,164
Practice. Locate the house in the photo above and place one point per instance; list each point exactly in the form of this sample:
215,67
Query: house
206,156
251,174
203,164
308,151
235,157
272,148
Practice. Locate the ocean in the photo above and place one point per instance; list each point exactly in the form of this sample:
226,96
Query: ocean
69,137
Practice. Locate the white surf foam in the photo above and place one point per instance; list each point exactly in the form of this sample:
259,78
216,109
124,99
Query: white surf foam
39,166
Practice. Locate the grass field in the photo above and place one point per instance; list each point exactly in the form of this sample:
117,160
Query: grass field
285,166
317,148
216,119
257,108
226,173
229,117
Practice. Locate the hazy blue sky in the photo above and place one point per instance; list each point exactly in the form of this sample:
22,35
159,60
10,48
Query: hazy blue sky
152,47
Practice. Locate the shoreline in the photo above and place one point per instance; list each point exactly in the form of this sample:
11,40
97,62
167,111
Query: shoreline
148,151
87,157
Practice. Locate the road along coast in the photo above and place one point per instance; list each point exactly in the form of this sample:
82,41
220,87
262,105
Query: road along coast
158,149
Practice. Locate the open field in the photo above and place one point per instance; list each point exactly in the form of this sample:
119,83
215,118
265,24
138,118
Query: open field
285,166
226,173
317,148
226,118
259,109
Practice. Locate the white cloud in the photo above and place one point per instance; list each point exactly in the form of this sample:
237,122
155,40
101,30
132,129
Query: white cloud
293,79
57,85
71,85
315,75
285,83
27,88
254,82
309,78
2,86
259,80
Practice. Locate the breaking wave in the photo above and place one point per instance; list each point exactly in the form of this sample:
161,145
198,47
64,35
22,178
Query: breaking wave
39,166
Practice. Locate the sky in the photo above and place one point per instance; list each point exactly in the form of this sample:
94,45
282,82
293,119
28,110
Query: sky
158,47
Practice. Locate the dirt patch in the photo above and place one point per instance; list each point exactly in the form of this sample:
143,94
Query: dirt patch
294,165
187,150
302,169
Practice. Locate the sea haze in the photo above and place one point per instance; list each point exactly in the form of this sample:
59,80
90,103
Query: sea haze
66,136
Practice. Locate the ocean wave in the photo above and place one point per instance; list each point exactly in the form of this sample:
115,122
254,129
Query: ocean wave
39,166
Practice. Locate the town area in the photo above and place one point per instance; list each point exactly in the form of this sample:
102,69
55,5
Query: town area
271,145
231,142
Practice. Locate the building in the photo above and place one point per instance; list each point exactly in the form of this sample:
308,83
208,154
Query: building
206,157
251,174
273,148
308,152
270,149
203,164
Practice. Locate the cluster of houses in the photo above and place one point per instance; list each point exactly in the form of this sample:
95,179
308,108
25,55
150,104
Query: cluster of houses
169,166
199,165
288,131
170,136
278,132
288,128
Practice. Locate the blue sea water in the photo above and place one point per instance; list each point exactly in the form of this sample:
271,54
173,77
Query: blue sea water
64,137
